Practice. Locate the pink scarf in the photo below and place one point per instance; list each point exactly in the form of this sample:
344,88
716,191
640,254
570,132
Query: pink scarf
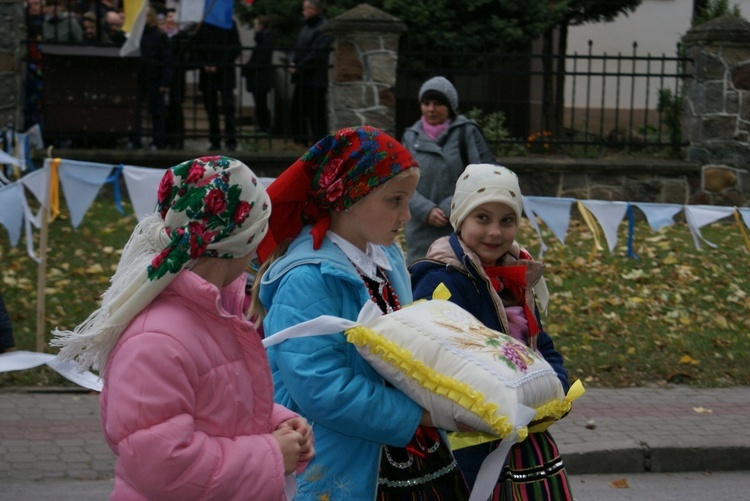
433,131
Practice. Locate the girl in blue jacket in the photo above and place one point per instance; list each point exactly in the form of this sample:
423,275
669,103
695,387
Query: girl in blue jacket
342,205
490,276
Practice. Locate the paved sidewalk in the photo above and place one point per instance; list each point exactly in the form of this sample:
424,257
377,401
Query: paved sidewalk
56,434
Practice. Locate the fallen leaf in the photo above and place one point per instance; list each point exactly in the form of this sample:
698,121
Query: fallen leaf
721,321
95,269
702,410
687,359
620,483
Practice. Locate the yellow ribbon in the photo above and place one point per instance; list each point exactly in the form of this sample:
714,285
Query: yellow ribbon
54,189
16,168
459,440
589,219
742,227
441,292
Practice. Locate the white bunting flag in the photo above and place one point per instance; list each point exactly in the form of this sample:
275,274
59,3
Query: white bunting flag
11,210
142,183
81,182
555,212
745,213
658,215
609,215
698,216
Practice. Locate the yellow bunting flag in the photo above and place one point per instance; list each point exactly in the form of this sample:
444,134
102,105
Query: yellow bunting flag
54,188
589,219
742,227
131,8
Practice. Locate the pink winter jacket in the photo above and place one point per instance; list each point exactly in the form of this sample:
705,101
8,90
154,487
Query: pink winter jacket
187,403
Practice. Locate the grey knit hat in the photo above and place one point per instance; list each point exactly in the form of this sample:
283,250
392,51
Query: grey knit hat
443,86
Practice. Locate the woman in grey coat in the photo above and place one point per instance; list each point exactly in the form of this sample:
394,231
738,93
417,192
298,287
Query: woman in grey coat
443,143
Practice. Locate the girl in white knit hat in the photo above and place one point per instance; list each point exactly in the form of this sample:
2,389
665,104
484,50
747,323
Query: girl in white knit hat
488,274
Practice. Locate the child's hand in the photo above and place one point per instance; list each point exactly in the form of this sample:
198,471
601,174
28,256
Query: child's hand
290,443
426,419
301,426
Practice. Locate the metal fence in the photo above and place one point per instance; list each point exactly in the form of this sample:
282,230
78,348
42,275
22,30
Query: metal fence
621,101
607,101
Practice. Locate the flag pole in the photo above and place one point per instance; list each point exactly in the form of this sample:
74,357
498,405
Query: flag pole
41,283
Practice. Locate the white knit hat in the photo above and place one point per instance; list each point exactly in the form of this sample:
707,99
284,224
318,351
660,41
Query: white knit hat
443,86
483,183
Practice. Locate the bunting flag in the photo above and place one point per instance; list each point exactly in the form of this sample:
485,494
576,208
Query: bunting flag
8,159
742,228
590,221
554,212
135,22
214,12
658,215
745,213
142,183
698,216
81,182
11,215
609,215
37,183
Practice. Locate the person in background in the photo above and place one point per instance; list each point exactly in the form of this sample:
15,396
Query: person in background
187,401
309,71
258,71
169,25
60,25
7,341
489,275
444,143
175,116
216,50
342,205
112,26
90,34
154,78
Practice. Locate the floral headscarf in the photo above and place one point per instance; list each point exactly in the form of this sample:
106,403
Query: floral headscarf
210,206
335,173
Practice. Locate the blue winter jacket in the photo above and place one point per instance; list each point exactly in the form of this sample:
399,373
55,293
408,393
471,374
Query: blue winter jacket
324,379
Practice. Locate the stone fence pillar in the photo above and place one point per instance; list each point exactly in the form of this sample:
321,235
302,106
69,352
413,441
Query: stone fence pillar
362,80
12,31
716,115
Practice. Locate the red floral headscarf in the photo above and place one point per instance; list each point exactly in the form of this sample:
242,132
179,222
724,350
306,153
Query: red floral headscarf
339,170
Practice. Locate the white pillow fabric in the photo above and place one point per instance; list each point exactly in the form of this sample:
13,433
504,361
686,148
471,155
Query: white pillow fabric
461,371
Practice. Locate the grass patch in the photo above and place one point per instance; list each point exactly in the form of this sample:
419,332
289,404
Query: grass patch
676,315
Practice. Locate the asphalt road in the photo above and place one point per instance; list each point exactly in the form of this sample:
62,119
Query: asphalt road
725,485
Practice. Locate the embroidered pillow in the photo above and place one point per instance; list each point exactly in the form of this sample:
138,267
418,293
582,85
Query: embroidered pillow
461,371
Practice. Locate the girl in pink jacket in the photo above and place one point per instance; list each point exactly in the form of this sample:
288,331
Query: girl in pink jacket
187,404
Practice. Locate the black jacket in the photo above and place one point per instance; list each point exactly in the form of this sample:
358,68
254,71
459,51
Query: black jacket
258,71
311,51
